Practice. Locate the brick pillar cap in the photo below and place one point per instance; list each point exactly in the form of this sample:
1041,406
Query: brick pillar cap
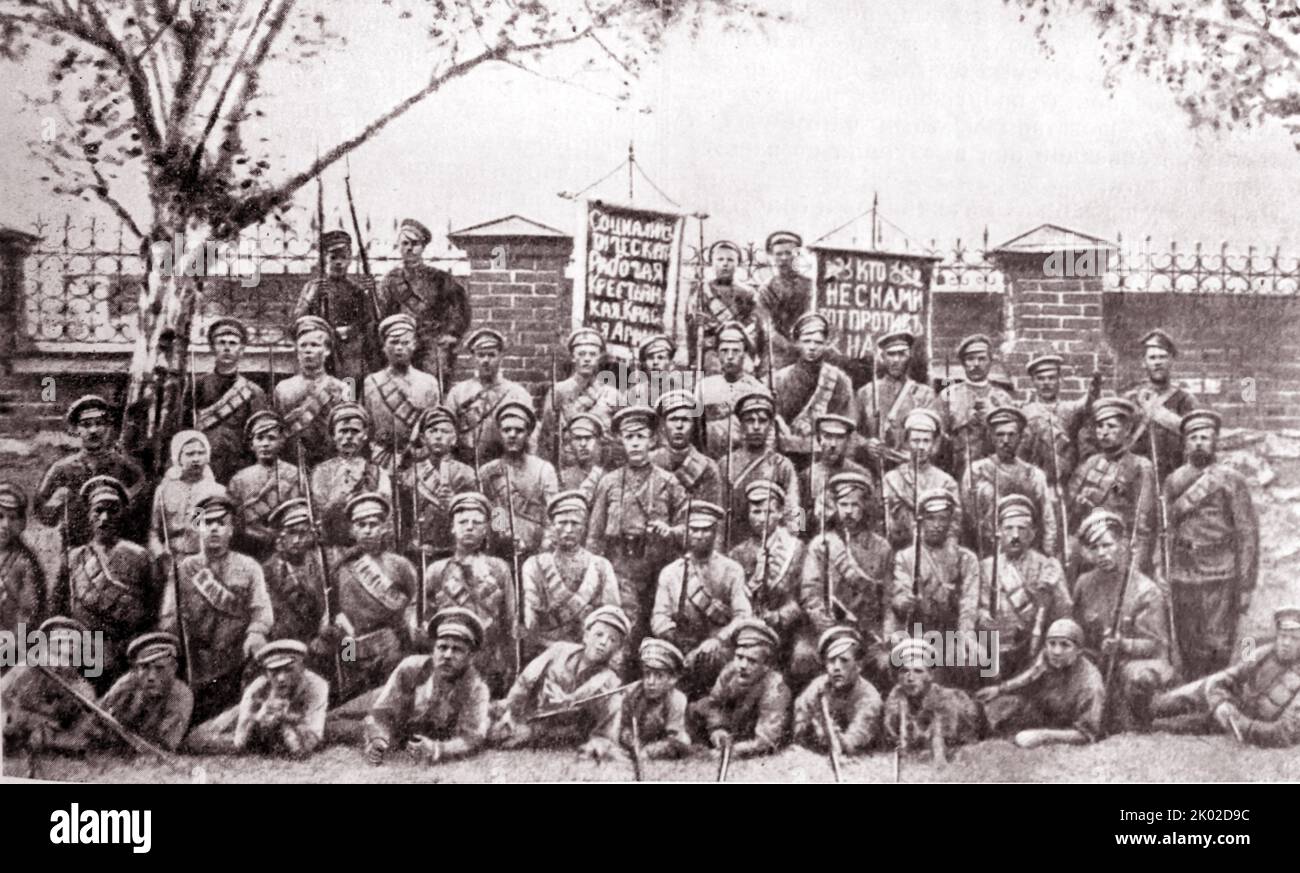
1048,238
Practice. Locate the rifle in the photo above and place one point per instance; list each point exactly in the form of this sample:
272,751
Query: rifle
361,242
1118,614
997,543
686,556
636,751
1036,637
1060,497
175,581
581,702
771,389
731,487
397,498
916,536
880,435
324,560
478,477
320,249
832,738
137,743
767,557
902,738
724,762
826,546
517,651
194,392
419,542
1162,543
559,417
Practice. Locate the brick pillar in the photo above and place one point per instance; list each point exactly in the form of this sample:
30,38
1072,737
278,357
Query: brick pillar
1054,287
14,248
517,286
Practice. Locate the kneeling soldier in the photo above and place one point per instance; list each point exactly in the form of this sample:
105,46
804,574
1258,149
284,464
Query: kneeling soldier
749,706
282,712
438,703
854,703
564,695
38,714
927,714
656,705
1257,699
149,701
1059,699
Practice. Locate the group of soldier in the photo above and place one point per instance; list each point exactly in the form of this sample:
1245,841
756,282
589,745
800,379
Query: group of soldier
735,554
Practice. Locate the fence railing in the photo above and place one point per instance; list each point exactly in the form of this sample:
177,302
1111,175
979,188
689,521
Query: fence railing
82,281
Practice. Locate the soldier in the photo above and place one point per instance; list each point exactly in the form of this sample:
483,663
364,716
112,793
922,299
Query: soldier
633,514
1140,644
883,428
772,561
963,405
437,704
38,714
937,717
946,597
860,564
373,588
833,433
295,579
722,301
1005,473
518,480
224,612
1031,587
304,401
472,579
474,401
1161,404
56,502
22,581
281,712
336,480
586,434
432,298
657,375
785,296
748,708
562,697
812,386
258,489
435,478
109,584
563,586
699,615
1058,699
1213,544
655,707
225,398
720,392
347,306
853,703
1116,479
1054,426
396,395
905,481
698,473
149,701
188,479
586,391
1257,699
754,459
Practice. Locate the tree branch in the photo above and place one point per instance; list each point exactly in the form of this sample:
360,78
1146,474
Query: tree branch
251,70
225,88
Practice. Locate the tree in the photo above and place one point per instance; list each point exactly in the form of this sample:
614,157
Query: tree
171,91
1228,63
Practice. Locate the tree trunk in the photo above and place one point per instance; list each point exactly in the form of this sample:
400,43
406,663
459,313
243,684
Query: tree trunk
160,359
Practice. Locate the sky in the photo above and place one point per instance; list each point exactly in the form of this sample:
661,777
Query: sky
946,109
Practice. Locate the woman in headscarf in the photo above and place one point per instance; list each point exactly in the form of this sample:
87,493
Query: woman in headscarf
188,480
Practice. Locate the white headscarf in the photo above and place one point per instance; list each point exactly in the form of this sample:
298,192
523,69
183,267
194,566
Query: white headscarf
179,442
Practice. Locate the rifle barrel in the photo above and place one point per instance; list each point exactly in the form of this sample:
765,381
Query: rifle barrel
832,740
180,613
724,762
137,743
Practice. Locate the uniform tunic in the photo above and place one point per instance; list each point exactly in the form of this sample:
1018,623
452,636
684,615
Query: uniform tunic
1123,483
436,481
742,467
758,712
805,391
562,672
436,300
418,700
297,591
785,298
395,402
1043,697
1017,477
112,589
1062,419
699,474
721,303
482,584
532,484
162,721
173,508
344,303
1214,559
900,490
305,405
961,407
224,602
225,401
74,471
951,710
374,591
812,482
595,397
1267,692
898,397
32,701
772,581
475,407
862,582
22,587
236,729
949,589
257,491
1174,404
855,713
334,482
716,596
718,398
560,590
1031,595
660,724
